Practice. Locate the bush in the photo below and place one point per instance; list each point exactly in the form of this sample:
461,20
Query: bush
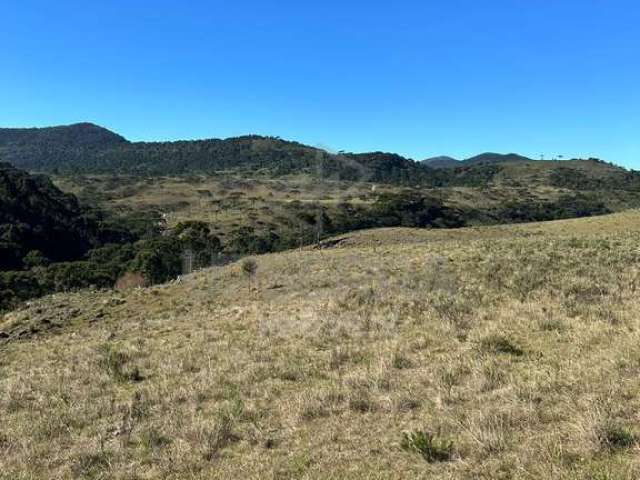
413,209
249,267
197,237
246,240
35,258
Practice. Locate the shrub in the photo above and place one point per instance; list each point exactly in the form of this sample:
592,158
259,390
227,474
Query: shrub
158,260
35,258
197,237
249,267
220,436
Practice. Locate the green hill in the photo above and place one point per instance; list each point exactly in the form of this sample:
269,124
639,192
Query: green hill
85,148
89,149
71,136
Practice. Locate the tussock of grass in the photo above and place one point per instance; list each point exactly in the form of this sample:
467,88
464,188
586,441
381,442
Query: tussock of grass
496,343
614,436
431,447
118,362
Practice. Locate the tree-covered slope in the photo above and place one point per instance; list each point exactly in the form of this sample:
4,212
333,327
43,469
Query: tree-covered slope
89,149
35,216
78,135
85,148
53,148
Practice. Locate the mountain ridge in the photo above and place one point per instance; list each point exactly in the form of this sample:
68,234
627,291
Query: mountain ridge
487,158
86,148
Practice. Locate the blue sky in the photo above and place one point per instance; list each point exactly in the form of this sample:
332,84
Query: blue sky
420,78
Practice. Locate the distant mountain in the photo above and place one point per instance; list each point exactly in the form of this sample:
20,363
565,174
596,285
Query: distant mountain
482,159
87,148
52,148
73,136
491,158
441,162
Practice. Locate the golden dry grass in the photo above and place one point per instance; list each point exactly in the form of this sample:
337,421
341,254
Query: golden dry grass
517,346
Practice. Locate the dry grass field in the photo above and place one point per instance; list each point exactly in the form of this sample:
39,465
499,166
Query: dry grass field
481,353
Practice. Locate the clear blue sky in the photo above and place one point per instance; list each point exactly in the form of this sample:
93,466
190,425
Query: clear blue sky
420,78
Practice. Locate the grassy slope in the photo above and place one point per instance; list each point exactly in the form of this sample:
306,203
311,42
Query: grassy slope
519,344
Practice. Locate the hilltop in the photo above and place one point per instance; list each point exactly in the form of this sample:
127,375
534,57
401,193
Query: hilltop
442,161
86,149
52,138
373,357
482,159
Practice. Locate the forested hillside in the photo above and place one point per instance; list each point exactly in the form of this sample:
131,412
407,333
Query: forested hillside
49,242
89,149
37,219
86,148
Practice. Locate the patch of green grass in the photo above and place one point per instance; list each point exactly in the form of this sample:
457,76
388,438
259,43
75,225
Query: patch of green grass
496,343
616,436
430,446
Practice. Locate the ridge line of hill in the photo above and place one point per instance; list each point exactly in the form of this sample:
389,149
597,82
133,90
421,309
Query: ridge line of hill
89,148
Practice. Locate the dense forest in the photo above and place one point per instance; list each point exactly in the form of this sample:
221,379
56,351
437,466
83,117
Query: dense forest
39,221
